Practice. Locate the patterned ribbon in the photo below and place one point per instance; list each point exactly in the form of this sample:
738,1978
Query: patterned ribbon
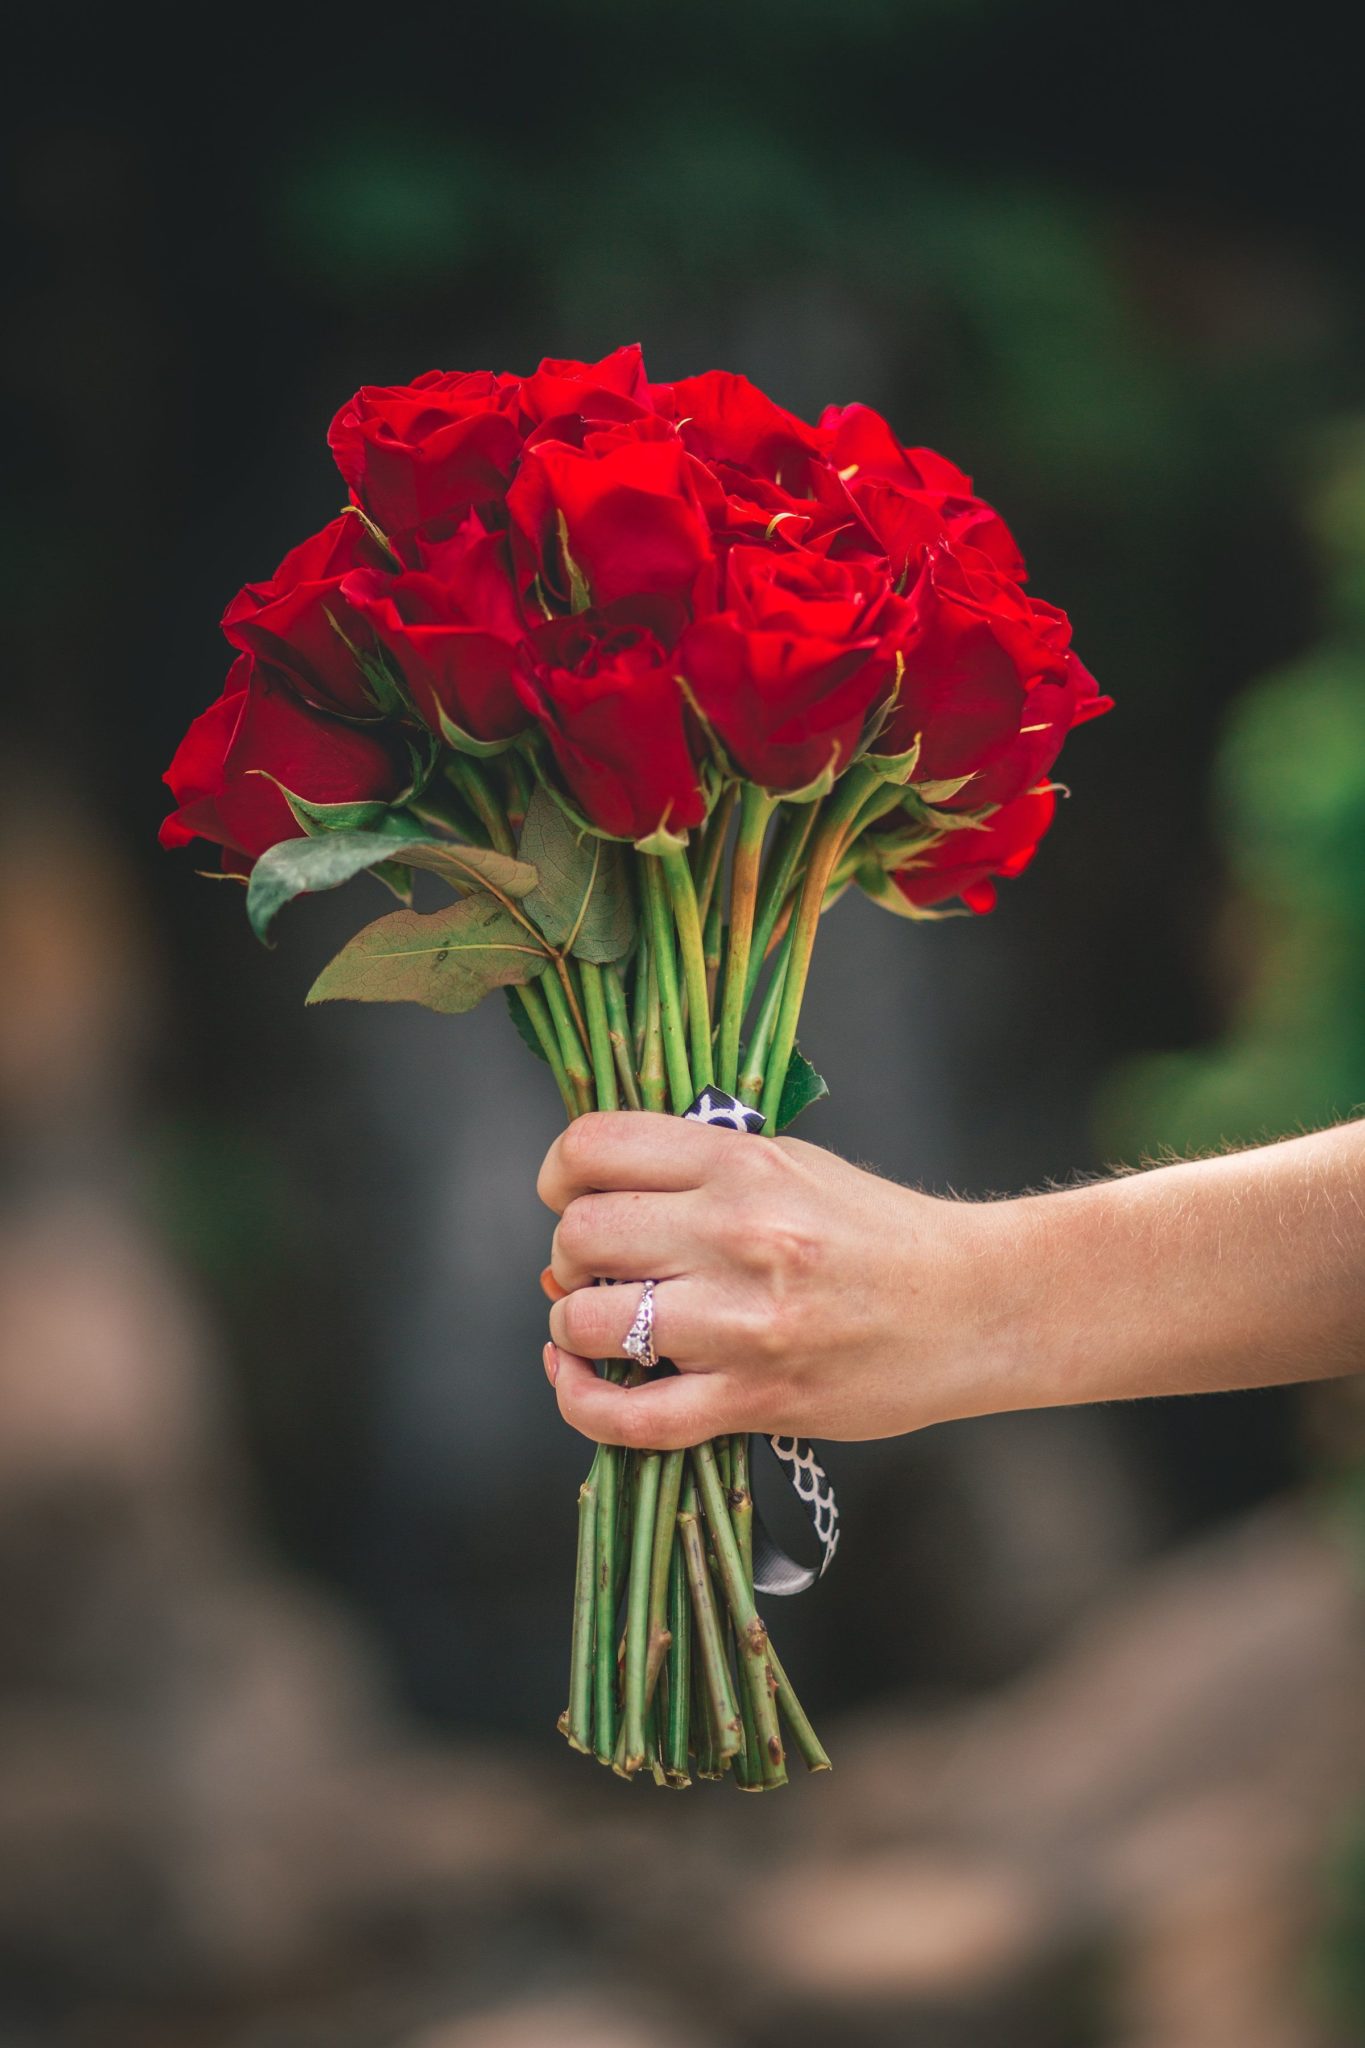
774,1570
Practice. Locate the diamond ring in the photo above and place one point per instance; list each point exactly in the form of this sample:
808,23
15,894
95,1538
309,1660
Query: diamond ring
638,1342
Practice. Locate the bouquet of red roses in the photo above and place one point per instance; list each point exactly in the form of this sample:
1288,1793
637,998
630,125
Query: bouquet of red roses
645,676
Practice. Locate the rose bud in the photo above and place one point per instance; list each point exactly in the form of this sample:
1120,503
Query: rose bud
608,698
963,862
428,450
300,623
787,673
454,631
723,418
259,724
990,686
617,518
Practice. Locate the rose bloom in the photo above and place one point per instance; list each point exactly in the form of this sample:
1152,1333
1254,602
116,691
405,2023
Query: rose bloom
430,449
645,573
258,724
424,453
990,685
300,622
967,860
621,513
788,670
452,629
606,693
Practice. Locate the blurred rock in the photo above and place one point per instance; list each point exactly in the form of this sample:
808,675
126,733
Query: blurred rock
555,2024
1159,1793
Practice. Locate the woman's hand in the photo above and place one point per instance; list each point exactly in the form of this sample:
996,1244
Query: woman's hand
801,1296
796,1294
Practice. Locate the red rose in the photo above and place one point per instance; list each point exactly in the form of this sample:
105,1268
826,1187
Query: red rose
258,723
859,443
990,686
821,518
608,697
454,629
787,673
430,449
565,391
289,620
724,418
963,861
622,512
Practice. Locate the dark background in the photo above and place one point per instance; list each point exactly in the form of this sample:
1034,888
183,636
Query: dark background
1112,264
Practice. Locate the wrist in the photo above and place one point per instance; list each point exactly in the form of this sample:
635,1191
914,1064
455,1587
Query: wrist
1008,1293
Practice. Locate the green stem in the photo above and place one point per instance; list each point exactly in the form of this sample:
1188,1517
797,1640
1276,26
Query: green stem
578,1721
605,1602
647,1465
599,1036
741,1506
521,782
808,1743
639,997
666,975
756,808
756,1054
618,1029
692,947
652,1084
707,869
726,1730
783,863
576,1066
468,779
753,1637
841,810
711,933
665,1530
679,1665
533,1002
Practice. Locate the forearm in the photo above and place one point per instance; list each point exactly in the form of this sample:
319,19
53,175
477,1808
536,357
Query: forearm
1239,1271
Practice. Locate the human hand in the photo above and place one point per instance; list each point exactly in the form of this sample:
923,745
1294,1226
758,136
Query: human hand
796,1295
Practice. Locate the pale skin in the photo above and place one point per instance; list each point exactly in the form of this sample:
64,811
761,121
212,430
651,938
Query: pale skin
798,1294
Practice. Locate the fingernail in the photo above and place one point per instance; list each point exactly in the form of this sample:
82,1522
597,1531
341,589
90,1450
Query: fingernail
551,1357
550,1287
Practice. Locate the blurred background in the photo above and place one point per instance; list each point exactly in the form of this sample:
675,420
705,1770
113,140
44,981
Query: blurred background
286,1512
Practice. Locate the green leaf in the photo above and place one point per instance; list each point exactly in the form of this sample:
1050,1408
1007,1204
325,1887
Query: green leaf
473,867
371,816
580,597
376,533
525,1030
464,742
303,866
801,1087
397,879
939,792
298,867
447,960
581,900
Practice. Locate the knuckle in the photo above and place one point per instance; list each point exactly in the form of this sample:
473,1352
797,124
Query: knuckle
574,1232
780,1245
545,1179
578,1145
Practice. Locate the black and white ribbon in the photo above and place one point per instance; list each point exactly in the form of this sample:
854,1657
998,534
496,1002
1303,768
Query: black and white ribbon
774,1570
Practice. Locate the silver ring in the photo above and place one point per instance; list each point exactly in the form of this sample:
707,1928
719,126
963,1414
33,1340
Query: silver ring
638,1342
